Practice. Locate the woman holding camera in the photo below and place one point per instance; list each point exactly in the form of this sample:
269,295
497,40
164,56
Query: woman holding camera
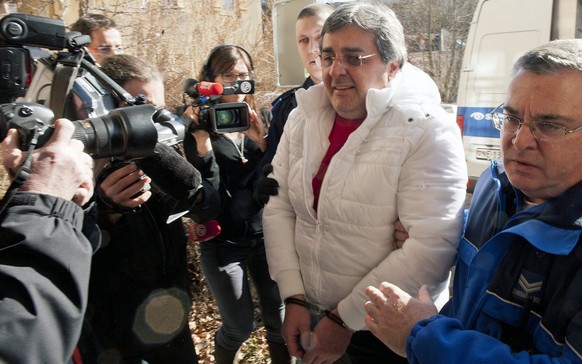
238,252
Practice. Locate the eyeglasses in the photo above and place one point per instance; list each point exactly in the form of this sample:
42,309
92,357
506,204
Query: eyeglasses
232,77
348,61
541,130
107,49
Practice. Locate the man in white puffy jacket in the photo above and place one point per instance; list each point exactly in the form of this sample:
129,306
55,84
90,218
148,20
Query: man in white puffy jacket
367,147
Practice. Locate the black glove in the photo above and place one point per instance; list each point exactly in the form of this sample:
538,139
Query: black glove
266,186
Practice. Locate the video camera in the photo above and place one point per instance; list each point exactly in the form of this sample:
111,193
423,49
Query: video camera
78,90
214,116
127,133
16,32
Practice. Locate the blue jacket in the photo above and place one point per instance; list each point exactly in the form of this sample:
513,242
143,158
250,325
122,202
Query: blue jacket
517,293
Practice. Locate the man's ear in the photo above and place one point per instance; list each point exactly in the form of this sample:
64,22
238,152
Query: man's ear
393,67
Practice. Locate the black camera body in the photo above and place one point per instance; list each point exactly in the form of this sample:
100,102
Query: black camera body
125,133
227,117
34,31
19,34
217,117
90,96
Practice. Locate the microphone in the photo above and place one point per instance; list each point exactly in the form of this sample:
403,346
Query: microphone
203,231
173,174
195,89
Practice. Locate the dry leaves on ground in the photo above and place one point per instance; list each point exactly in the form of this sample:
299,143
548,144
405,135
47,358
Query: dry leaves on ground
205,319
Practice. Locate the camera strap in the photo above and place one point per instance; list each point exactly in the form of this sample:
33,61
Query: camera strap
65,75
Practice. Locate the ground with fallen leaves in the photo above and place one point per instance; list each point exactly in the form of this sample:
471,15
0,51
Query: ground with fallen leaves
205,319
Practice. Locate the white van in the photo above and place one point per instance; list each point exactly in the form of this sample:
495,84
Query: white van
502,31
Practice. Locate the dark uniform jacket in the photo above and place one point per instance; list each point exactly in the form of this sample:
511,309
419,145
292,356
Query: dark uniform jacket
281,108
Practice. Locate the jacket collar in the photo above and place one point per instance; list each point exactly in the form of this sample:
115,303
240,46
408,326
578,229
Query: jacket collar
564,211
554,226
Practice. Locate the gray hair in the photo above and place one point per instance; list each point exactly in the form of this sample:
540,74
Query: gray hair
553,57
375,18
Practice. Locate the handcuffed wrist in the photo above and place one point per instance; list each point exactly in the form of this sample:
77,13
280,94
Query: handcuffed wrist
296,301
338,320
329,314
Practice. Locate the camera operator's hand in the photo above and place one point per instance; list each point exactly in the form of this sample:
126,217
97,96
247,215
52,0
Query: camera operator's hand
127,187
59,168
202,137
256,131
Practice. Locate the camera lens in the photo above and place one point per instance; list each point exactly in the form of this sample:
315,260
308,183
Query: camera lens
229,117
225,117
127,132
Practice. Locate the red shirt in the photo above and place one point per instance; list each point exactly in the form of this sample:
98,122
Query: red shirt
341,130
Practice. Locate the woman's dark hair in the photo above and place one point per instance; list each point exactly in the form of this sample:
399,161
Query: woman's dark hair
221,60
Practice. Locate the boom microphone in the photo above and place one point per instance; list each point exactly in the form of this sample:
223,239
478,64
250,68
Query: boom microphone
171,173
176,177
195,89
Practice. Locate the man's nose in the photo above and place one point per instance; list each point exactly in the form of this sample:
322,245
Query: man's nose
337,68
314,49
524,137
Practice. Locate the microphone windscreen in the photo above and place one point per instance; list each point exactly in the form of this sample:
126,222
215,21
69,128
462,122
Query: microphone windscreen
172,173
210,88
190,86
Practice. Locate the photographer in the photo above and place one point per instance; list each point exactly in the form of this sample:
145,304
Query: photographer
229,259
139,291
46,248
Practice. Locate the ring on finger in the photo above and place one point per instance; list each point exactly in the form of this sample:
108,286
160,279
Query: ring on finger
398,306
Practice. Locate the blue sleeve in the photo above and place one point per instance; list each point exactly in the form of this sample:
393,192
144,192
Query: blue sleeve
441,339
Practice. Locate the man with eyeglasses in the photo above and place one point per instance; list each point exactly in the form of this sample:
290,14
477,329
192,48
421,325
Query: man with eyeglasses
368,146
517,295
105,37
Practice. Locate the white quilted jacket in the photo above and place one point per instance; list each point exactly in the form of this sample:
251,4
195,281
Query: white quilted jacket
405,161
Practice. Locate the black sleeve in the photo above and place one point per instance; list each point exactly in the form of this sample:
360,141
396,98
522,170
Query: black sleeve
280,111
45,261
209,207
